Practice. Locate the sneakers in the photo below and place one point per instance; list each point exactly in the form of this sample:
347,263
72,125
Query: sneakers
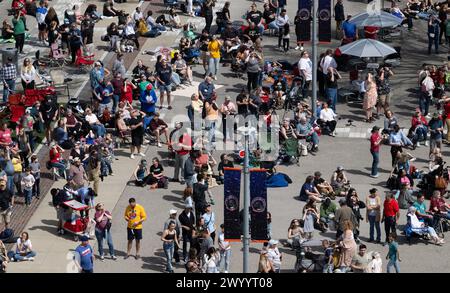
29,258
426,143
297,48
132,156
159,144
374,176
142,154
102,258
113,257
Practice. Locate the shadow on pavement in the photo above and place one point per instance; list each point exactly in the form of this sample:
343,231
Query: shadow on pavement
172,198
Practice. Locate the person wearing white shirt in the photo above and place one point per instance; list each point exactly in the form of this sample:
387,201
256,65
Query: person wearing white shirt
328,61
282,19
137,15
28,74
274,255
210,261
95,124
24,248
327,117
225,251
305,68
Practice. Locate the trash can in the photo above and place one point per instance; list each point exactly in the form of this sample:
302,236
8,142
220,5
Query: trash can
10,52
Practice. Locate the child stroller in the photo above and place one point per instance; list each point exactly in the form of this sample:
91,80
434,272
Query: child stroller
78,225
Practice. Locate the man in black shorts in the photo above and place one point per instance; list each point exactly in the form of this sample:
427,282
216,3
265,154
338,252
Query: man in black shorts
134,215
137,132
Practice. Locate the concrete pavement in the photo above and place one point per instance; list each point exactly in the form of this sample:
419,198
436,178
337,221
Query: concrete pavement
53,251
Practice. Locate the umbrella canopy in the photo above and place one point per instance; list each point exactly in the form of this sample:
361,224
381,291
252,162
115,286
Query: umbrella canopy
381,19
367,48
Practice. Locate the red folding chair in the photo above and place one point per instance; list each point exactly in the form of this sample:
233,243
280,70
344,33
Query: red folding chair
84,61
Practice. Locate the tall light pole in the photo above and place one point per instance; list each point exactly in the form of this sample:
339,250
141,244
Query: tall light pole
245,130
314,57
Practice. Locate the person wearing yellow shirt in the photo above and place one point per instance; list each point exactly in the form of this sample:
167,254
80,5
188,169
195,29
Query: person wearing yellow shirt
134,215
214,48
17,164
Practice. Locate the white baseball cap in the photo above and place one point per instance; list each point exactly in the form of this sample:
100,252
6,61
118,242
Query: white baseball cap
171,212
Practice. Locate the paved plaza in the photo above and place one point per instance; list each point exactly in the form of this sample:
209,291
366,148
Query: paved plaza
350,148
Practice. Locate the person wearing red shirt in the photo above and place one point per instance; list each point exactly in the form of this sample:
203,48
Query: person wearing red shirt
370,32
181,145
127,91
56,160
5,136
419,125
446,115
438,206
390,215
375,142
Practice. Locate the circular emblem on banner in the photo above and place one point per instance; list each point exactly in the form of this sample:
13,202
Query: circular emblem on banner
231,203
304,14
324,15
258,205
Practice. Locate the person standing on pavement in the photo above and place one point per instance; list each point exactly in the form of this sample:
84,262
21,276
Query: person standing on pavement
189,172
6,204
390,215
375,143
181,144
77,173
436,131
19,30
118,87
134,215
393,255
84,256
103,220
93,169
305,68
339,17
343,214
208,13
8,74
187,222
119,66
214,49
210,220
373,214
225,251
274,255
433,34
164,78
281,21
75,40
170,240
137,133
173,218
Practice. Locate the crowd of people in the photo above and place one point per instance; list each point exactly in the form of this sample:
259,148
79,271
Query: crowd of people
82,142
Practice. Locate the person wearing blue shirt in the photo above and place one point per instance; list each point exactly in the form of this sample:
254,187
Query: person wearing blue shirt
433,34
210,222
349,29
309,191
148,100
397,140
104,92
436,130
306,130
84,256
206,89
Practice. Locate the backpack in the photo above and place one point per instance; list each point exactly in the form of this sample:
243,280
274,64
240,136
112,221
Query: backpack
7,235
